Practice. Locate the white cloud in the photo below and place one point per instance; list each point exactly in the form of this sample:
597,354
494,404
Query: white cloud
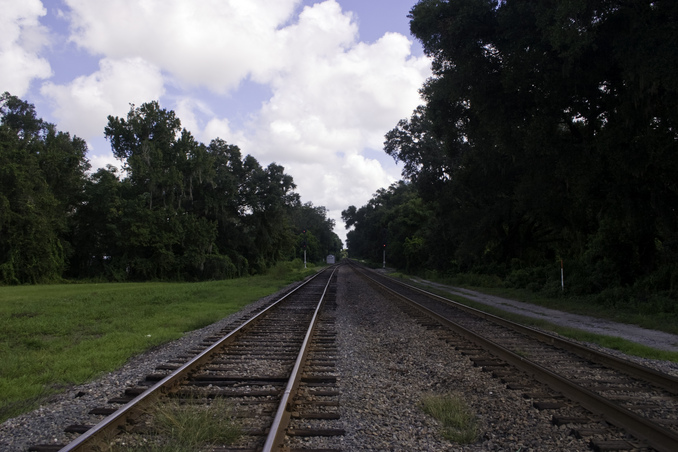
215,43
186,111
102,160
337,94
21,39
321,31
351,176
331,92
221,128
335,98
192,113
339,181
82,106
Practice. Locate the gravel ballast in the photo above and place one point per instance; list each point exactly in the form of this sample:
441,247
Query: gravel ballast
387,363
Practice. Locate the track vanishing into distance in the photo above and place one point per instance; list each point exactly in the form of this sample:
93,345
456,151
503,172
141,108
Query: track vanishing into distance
638,400
276,370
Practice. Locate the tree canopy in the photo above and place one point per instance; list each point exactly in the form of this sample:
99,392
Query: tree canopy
180,210
42,173
549,131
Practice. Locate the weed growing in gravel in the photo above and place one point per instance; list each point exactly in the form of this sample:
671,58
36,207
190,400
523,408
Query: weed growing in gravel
193,424
183,425
522,353
456,418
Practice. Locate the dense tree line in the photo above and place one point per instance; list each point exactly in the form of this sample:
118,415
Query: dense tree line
395,221
181,210
549,131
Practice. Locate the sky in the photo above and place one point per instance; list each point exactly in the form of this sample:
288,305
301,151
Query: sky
310,85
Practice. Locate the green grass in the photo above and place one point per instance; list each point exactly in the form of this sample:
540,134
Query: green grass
457,421
56,336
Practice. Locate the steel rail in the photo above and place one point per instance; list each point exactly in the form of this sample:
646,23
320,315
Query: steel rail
657,437
659,379
87,441
281,421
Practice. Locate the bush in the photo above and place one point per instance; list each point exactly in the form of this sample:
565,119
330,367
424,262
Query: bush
519,278
614,297
552,289
534,279
219,267
662,280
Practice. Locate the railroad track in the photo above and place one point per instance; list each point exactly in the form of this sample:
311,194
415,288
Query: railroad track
640,401
276,372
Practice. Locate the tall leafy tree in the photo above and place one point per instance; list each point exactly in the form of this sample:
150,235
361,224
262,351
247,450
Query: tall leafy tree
30,248
98,238
267,196
146,142
164,162
42,175
555,135
197,210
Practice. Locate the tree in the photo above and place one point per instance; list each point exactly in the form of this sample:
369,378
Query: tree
311,223
42,174
197,209
267,197
395,219
146,142
183,211
30,227
97,235
166,238
555,135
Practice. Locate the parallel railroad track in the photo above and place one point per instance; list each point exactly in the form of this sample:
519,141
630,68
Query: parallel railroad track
640,401
276,370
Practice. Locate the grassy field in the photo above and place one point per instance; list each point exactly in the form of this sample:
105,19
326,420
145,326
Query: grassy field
55,336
